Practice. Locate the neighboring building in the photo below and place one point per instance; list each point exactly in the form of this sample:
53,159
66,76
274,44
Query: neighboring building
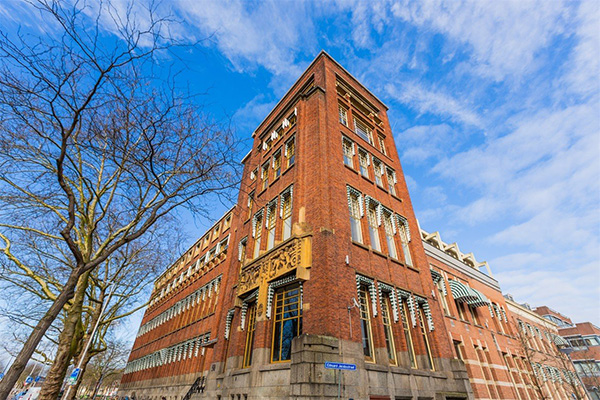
584,343
562,321
324,264
174,344
482,325
553,373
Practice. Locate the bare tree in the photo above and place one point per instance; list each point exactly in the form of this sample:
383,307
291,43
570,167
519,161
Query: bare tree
532,359
110,363
93,152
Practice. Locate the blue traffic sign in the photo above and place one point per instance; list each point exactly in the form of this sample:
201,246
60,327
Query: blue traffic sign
342,366
74,375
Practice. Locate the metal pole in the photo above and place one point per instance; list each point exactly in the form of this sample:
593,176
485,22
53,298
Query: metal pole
339,384
87,345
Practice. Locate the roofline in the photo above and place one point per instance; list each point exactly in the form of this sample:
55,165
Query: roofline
171,265
322,53
537,316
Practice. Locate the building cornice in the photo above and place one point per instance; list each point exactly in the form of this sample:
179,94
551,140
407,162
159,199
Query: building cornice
471,272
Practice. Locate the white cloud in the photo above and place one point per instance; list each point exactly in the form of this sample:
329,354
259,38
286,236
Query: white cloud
504,36
268,34
421,143
252,113
429,101
584,67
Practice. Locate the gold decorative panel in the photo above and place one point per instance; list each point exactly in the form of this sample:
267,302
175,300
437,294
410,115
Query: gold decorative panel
293,254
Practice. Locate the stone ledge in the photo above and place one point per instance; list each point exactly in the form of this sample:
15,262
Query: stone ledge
275,367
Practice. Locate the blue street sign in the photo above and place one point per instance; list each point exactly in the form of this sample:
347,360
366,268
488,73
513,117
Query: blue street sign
342,366
74,375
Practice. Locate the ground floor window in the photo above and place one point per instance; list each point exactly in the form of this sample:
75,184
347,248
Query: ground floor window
249,345
287,322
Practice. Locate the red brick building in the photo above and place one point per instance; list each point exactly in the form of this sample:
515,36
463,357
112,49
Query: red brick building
583,347
320,261
509,351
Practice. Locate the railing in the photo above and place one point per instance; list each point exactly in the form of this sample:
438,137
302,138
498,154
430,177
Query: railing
197,387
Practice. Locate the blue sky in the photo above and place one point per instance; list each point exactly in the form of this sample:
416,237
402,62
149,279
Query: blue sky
494,106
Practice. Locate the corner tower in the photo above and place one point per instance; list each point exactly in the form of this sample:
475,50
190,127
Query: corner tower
322,263
330,263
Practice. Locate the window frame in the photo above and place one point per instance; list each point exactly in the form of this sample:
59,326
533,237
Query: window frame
365,301
280,312
367,133
249,340
276,164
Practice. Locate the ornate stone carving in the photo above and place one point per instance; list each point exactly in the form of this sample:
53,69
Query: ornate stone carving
279,261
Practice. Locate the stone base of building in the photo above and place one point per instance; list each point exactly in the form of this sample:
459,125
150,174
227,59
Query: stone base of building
305,377
170,387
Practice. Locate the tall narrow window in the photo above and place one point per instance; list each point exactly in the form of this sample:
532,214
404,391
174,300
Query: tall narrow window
365,323
473,312
277,165
271,219
249,345
287,323
408,334
391,180
387,329
458,349
363,130
373,225
404,242
378,169
257,233
264,175
461,310
343,112
286,213
354,200
250,204
381,144
439,284
363,161
348,148
425,338
242,250
388,224
290,152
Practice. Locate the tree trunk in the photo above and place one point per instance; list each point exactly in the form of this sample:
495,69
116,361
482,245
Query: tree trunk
75,387
11,377
66,340
82,345
97,387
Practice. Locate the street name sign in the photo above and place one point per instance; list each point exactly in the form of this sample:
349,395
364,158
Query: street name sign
341,366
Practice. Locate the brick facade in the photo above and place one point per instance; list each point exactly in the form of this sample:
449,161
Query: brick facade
322,260
509,351
353,299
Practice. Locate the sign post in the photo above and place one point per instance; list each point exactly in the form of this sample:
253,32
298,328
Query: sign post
340,367
74,376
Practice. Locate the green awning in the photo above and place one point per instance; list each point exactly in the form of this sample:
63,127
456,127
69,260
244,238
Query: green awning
559,340
465,294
